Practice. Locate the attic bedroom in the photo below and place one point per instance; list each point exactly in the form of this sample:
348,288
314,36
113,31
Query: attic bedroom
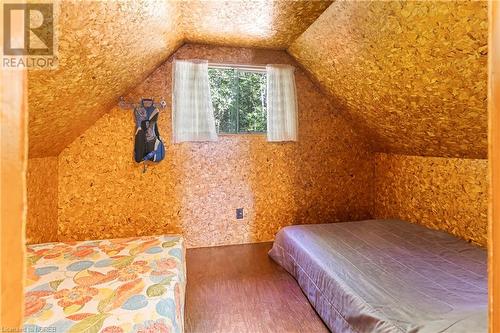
250,166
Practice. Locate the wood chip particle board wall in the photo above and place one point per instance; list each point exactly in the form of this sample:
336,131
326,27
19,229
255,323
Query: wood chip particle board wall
412,75
42,178
107,47
325,176
449,194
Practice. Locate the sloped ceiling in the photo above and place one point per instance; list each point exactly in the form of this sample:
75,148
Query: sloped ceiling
106,48
411,75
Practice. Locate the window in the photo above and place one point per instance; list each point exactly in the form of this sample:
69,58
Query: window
238,98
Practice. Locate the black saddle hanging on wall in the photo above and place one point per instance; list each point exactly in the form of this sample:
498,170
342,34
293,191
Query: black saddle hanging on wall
148,143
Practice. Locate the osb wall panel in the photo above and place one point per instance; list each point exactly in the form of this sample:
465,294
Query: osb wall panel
105,49
448,194
108,47
263,24
41,224
412,75
326,176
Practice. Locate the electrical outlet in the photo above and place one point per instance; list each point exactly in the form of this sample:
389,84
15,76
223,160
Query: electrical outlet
239,213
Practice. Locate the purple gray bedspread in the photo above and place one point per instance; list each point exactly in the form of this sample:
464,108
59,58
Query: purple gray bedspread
387,276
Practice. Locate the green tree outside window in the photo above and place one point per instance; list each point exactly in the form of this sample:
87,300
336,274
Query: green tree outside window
239,100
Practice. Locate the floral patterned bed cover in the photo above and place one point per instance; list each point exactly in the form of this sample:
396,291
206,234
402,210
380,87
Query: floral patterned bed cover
110,286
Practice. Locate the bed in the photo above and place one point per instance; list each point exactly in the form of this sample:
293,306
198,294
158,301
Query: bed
387,276
110,286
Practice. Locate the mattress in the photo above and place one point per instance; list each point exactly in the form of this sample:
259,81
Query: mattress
110,286
387,276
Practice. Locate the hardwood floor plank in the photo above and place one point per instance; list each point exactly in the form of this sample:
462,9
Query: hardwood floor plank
239,289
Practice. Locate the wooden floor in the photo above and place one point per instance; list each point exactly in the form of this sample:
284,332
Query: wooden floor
240,289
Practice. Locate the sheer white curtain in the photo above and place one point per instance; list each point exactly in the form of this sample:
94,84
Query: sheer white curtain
192,110
281,103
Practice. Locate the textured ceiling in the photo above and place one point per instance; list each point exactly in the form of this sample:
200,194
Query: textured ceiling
106,48
259,24
411,75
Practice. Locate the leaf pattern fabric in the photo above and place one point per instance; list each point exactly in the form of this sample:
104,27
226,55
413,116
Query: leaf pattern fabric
123,285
